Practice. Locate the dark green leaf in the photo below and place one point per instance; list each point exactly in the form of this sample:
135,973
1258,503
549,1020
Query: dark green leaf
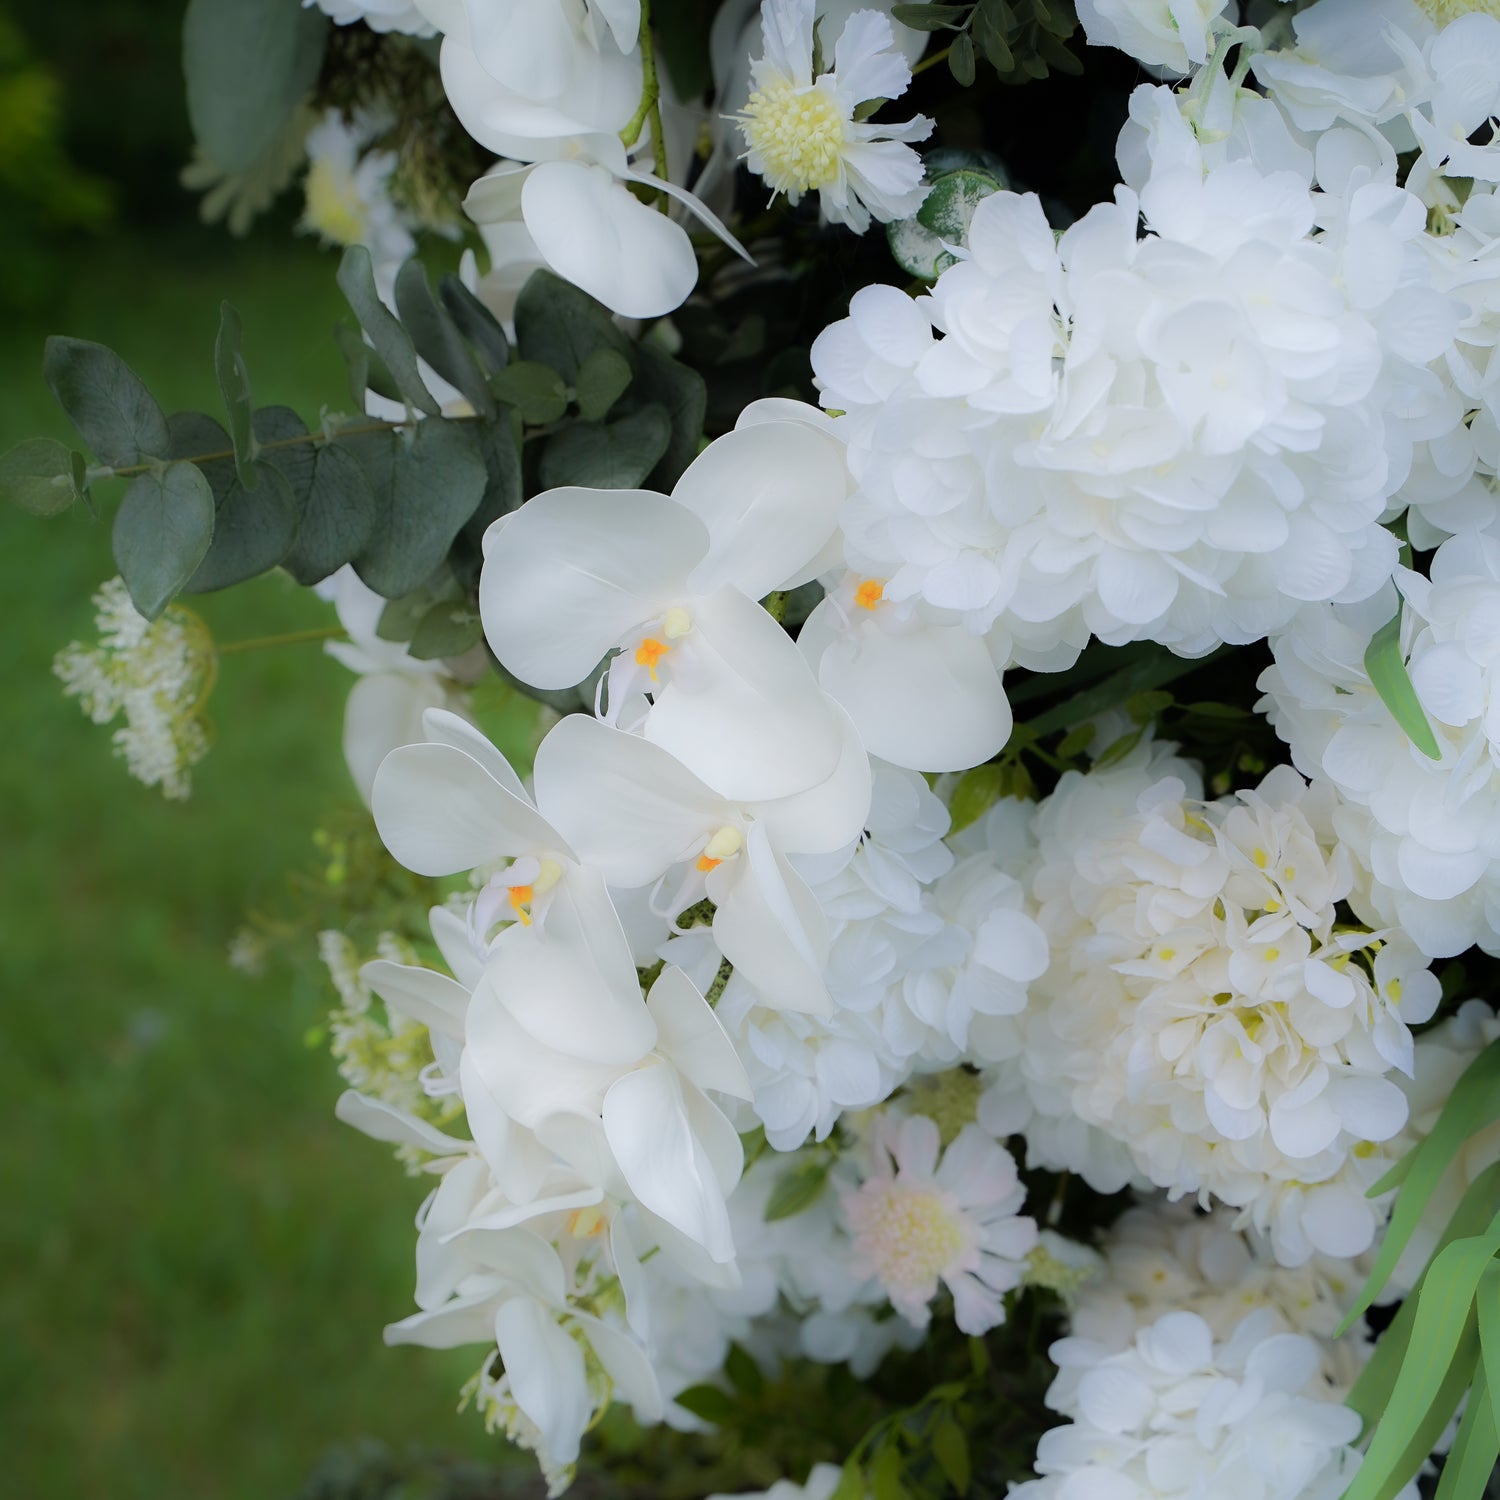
663,381
961,60
39,476
234,387
614,455
708,1402
367,372
744,1374
1473,1104
253,530
1386,668
248,64
447,629
602,379
338,515
106,401
559,326
399,619
427,483
1135,674
798,1189
682,28
198,436
1471,1459
356,278
162,531
536,391
437,338
476,322
951,1449
930,17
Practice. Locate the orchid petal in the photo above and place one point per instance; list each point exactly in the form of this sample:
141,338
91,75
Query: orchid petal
690,1034
829,815
423,995
384,1122
548,1378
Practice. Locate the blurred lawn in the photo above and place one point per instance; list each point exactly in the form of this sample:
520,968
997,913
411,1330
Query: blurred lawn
195,1258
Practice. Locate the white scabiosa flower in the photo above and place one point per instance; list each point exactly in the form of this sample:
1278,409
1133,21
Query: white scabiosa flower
916,1221
1207,1010
1427,832
157,674
801,133
1179,1412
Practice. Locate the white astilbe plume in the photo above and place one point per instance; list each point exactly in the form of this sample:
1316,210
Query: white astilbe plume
155,673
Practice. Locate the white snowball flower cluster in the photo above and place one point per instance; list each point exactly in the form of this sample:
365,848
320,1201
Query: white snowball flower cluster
1177,438
1208,1019
1425,831
1179,1412
157,674
803,133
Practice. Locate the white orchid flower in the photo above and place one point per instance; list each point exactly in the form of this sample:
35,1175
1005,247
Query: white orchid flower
922,695
634,813
671,583
620,1097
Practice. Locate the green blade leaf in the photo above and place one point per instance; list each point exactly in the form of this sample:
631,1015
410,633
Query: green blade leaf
1488,1304
162,530
951,1449
106,401
602,379
1438,1364
799,1189
1473,1104
356,279
1386,669
1471,1459
234,386
248,64
614,455
437,338
38,475
1139,674
426,485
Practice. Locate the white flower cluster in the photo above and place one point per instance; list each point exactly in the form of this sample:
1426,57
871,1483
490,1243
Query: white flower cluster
1208,1024
158,674
1426,832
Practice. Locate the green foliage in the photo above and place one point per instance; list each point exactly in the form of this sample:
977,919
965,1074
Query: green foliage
1386,668
391,341
438,338
106,401
237,109
1021,40
162,532
42,476
921,245
798,1189
978,790
614,455
234,387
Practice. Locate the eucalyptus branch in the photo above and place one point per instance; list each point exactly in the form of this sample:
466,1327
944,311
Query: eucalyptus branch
291,638
127,470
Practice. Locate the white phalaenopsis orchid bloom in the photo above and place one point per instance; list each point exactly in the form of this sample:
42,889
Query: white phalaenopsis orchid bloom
617,1093
634,813
923,695
801,132
671,583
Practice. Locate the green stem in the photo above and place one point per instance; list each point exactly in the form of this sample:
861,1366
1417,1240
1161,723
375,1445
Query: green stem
127,470
650,106
932,61
292,638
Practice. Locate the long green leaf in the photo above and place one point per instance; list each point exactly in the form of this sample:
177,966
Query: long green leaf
1487,1304
1473,1104
1136,677
234,386
1386,668
356,279
1443,1349
1471,1459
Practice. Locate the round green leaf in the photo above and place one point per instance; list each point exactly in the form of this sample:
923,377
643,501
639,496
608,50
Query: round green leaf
162,532
39,476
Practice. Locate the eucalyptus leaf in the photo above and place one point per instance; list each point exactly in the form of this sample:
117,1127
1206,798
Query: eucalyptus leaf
536,391
356,278
106,401
426,485
448,628
602,379
162,531
197,436
614,455
39,475
1386,668
234,387
663,381
560,326
961,60
922,245
248,64
253,531
930,17
476,322
399,619
338,516
437,338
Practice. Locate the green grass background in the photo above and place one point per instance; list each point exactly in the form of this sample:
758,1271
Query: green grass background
195,1259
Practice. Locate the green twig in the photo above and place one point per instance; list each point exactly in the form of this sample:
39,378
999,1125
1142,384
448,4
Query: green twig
126,470
292,638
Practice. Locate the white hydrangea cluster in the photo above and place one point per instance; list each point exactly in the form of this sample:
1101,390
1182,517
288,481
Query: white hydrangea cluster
158,674
1207,1013
1424,831
1111,434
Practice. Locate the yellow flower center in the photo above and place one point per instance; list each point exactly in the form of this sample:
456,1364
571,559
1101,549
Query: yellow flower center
333,208
1443,11
649,652
798,133
725,844
869,593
